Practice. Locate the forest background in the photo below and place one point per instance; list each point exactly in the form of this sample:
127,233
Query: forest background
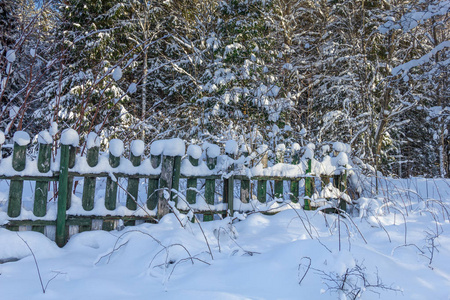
373,74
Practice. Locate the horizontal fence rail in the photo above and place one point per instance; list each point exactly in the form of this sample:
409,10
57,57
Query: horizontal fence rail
200,180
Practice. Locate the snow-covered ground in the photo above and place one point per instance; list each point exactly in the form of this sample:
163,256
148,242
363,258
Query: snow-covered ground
396,247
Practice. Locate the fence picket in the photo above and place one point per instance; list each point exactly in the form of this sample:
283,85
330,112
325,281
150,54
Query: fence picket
279,158
294,189
152,190
16,186
210,184
133,184
262,184
90,182
245,183
191,194
61,234
111,185
165,185
309,187
41,189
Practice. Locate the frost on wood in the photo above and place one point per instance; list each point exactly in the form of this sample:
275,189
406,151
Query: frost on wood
194,151
21,138
93,140
44,137
137,147
116,147
70,137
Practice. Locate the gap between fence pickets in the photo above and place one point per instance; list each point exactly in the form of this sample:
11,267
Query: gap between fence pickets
206,164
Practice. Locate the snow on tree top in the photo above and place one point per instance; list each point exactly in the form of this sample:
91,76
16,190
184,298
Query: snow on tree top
70,137
11,56
92,140
21,138
211,149
117,74
137,147
53,128
261,149
231,147
2,137
44,137
194,151
245,148
116,147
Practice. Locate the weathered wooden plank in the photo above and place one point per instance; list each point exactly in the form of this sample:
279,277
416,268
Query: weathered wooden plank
262,183
61,235
111,185
245,183
165,185
309,187
191,193
16,187
152,190
133,184
279,158
294,189
72,155
176,177
210,184
41,189
90,182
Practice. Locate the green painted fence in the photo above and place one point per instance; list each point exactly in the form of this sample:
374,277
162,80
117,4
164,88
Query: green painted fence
162,189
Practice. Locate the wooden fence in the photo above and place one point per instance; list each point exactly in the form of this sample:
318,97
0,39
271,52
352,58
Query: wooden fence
213,183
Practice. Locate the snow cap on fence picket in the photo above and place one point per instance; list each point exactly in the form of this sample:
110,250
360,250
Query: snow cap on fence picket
44,137
174,147
231,147
211,149
157,147
116,147
93,140
280,148
342,159
309,151
21,138
2,137
70,137
194,151
295,147
137,147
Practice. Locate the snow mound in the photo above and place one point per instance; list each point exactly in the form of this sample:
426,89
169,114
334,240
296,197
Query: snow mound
21,138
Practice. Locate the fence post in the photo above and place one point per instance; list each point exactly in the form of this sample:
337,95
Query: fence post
93,146
165,185
309,187
262,184
279,158
212,151
245,183
43,164
294,183
231,149
194,153
152,191
136,150
69,138
21,140
176,177
115,151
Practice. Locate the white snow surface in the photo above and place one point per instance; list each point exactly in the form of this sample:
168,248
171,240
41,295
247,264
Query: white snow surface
157,147
44,137
174,147
212,150
231,147
11,56
137,147
93,140
194,151
2,137
21,138
70,137
117,73
289,255
116,147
